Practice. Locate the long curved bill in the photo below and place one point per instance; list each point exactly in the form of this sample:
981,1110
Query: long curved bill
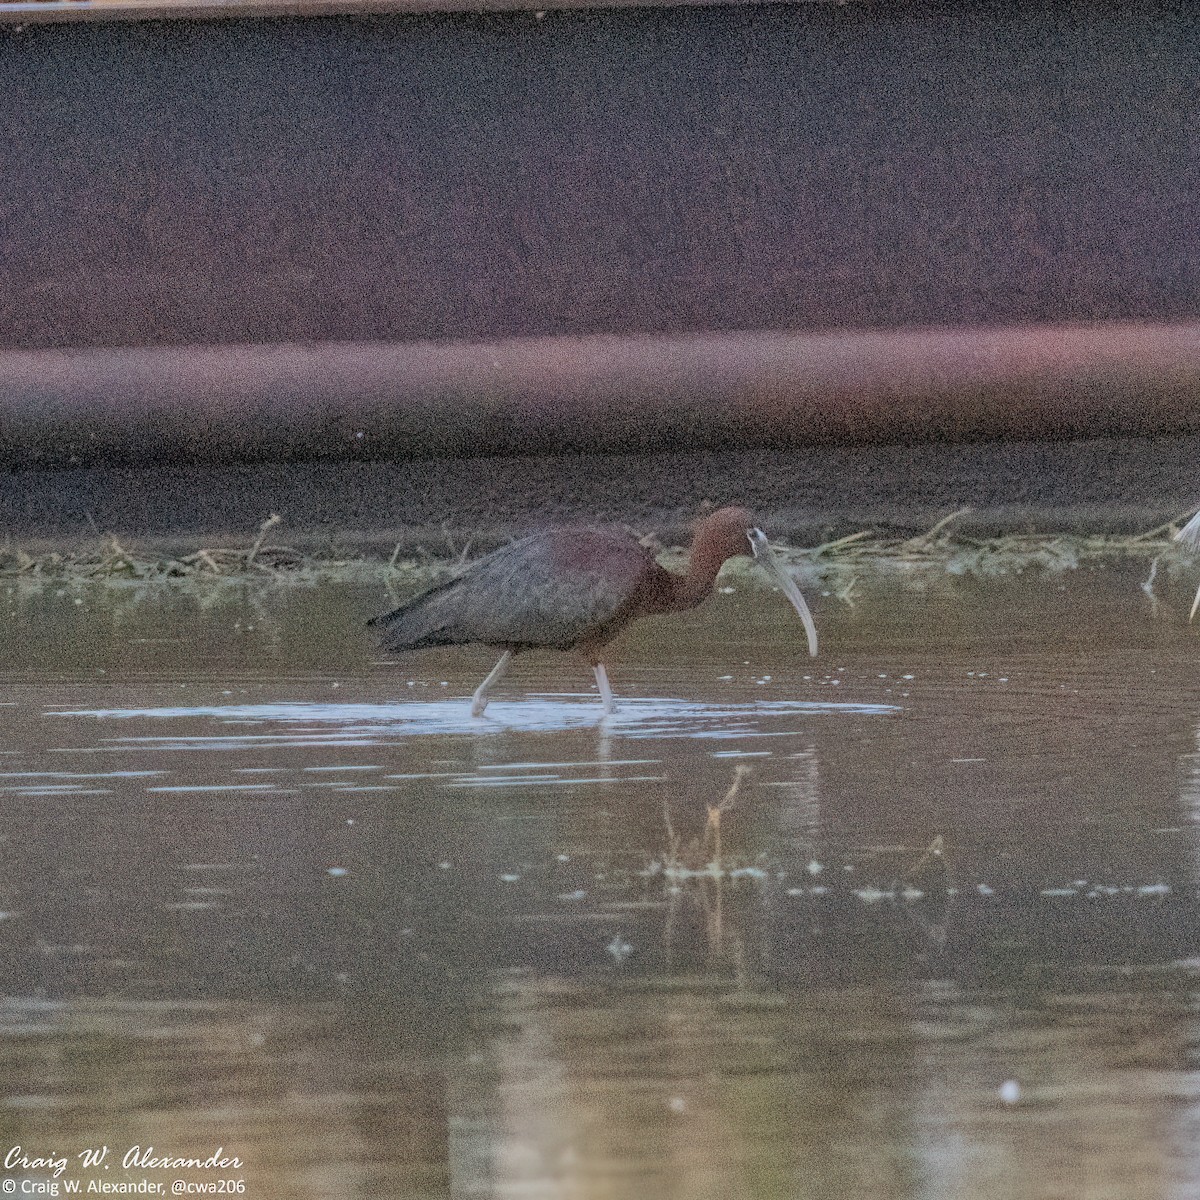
764,553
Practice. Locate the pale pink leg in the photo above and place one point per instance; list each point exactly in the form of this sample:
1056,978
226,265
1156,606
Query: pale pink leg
606,695
479,700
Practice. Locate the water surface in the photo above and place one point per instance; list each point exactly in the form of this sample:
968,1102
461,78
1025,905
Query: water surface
264,890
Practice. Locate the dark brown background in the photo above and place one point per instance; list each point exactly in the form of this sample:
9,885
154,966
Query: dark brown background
659,169
392,177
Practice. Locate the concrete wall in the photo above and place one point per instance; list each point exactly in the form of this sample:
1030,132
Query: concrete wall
665,169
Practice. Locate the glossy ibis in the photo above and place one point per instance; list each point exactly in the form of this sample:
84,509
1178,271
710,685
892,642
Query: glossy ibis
574,589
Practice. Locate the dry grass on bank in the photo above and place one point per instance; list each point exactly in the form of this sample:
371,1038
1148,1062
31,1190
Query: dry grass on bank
939,550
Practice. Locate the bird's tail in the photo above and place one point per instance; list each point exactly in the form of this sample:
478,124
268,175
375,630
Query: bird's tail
410,626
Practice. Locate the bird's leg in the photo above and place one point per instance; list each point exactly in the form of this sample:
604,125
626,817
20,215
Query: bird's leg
479,700
606,695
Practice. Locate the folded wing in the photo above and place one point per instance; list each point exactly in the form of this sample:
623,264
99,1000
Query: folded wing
552,590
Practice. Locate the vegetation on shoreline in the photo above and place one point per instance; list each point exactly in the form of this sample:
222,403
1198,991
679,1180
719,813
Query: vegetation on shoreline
939,550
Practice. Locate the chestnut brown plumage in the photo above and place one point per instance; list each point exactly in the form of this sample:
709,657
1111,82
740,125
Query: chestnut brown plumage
573,588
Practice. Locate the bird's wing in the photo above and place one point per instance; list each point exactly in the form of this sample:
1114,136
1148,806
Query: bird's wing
553,589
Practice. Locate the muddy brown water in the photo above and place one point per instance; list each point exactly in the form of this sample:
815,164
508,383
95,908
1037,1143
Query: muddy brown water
264,891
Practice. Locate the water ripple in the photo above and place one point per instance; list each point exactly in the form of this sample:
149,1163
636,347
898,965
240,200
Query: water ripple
364,724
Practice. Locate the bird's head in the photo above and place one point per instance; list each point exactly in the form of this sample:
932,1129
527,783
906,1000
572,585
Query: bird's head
732,531
726,532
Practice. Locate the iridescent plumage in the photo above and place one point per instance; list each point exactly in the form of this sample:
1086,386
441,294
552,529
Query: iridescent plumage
570,589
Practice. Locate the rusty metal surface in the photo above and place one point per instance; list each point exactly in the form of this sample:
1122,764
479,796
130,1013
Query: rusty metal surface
597,395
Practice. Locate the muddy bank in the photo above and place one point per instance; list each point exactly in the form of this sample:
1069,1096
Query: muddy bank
1121,486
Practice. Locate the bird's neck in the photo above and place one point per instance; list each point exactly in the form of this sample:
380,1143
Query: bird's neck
697,582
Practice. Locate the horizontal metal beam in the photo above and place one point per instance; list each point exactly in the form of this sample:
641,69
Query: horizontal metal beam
343,401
